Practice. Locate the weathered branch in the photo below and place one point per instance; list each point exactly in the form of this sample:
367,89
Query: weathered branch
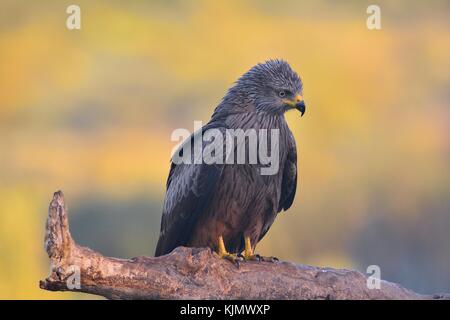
189,273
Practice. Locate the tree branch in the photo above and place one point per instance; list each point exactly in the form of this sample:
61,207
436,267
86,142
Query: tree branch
195,273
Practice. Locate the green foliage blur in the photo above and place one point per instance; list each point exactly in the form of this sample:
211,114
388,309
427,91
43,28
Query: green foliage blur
91,112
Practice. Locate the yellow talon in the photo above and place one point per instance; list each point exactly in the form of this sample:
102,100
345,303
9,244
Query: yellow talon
249,255
248,248
223,253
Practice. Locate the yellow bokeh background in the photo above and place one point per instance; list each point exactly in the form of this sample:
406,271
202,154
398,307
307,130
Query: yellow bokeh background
91,111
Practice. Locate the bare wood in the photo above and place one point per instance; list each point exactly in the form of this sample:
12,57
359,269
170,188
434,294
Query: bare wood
196,273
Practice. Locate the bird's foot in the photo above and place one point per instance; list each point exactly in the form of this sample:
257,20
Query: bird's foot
232,257
269,259
257,257
249,255
224,254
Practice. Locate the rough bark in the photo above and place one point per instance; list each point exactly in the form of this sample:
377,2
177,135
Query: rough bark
196,273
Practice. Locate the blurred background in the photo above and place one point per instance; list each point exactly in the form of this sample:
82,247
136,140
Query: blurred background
91,112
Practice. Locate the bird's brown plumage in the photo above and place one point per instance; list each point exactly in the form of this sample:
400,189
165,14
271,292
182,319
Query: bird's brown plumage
205,201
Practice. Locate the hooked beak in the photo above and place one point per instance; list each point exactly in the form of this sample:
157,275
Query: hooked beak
300,104
297,103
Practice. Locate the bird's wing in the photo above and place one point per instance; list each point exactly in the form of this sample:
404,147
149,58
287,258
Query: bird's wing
289,182
189,191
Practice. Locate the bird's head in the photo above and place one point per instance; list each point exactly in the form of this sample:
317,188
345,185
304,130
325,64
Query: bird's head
272,87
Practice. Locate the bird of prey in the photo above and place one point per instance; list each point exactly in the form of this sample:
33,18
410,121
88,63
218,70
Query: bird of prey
230,207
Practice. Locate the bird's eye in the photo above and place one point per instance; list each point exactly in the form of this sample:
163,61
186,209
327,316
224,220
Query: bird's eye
284,93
